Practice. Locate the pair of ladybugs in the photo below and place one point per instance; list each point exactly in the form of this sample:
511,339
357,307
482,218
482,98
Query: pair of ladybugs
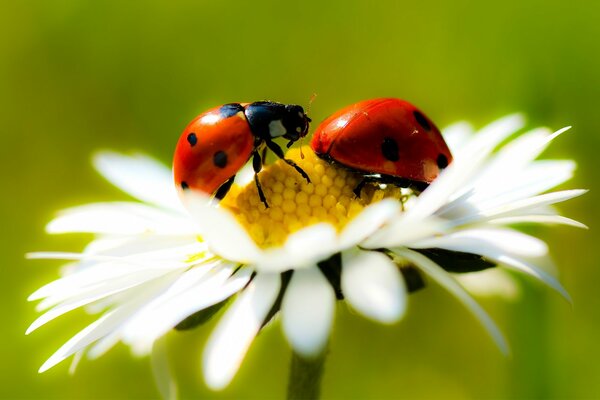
385,140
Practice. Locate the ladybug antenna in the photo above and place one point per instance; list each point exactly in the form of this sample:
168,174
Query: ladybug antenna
310,101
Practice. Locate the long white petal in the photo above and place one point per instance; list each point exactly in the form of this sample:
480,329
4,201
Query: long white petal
538,219
165,312
531,203
109,322
123,246
530,269
449,283
140,176
481,239
88,335
457,135
120,218
492,282
105,269
536,178
488,138
302,249
98,274
504,253
307,311
515,156
161,369
368,221
80,300
312,244
372,285
103,345
232,337
75,363
404,231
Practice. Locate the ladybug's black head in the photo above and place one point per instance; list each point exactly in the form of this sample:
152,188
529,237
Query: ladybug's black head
295,122
269,120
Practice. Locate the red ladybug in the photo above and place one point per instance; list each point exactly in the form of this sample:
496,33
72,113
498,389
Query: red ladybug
217,143
386,141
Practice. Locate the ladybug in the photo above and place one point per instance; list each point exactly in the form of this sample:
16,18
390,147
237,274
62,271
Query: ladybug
218,142
386,141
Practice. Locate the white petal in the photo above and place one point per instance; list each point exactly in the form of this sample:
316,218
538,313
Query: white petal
102,346
530,269
368,221
98,274
137,268
536,178
245,175
312,244
223,233
493,282
307,311
140,176
167,310
515,155
373,285
504,253
161,369
538,219
109,322
75,363
302,249
120,218
91,333
531,203
449,283
478,240
404,231
93,294
457,135
488,138
232,337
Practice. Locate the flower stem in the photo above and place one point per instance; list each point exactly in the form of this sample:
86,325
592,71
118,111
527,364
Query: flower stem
305,377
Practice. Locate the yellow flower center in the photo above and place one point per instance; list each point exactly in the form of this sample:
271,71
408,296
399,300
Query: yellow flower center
295,203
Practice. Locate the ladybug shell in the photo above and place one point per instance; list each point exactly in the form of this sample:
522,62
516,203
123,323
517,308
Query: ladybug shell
211,149
383,136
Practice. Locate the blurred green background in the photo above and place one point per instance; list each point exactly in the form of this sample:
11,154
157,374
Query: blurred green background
76,76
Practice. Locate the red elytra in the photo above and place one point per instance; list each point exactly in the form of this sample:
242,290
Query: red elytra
388,140
196,163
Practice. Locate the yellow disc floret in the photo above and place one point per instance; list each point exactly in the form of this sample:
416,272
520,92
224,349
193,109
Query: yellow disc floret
294,203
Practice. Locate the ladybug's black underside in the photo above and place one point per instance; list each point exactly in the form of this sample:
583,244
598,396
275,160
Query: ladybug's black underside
367,177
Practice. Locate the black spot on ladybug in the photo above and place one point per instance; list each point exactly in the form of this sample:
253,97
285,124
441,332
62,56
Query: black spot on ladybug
442,161
220,159
389,149
229,110
192,139
184,185
422,120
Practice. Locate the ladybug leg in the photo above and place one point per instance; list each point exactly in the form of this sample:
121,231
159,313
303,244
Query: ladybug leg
224,188
264,155
279,153
257,166
360,186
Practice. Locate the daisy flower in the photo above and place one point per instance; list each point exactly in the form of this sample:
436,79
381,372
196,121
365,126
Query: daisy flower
155,265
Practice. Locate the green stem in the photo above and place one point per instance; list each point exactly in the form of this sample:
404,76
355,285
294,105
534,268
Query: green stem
305,377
